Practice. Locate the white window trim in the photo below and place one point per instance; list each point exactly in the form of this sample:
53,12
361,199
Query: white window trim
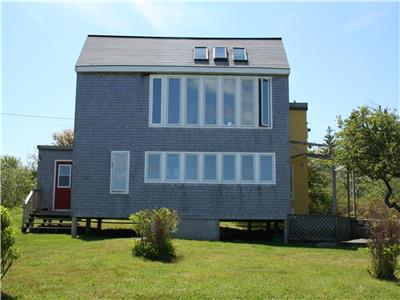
219,168
185,101
270,102
194,53
111,174
245,54
236,101
221,58
184,167
241,166
181,112
58,176
201,110
273,181
167,180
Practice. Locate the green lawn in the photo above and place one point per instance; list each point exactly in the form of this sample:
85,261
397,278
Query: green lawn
54,266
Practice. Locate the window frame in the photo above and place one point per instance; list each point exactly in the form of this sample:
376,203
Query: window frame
273,155
165,163
112,173
222,100
198,161
181,91
58,176
200,59
257,104
220,58
254,156
237,59
217,171
261,124
147,154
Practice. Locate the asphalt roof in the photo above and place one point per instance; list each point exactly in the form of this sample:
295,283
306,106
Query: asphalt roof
103,50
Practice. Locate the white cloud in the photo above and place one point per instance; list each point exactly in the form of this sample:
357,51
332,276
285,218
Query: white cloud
364,21
160,15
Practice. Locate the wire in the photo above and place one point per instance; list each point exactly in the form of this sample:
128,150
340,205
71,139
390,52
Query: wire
36,116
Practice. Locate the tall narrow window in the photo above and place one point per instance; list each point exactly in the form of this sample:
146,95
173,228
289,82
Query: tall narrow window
228,167
210,102
174,96
156,105
154,166
265,103
119,171
247,117
192,101
229,102
191,173
247,167
210,167
172,168
266,168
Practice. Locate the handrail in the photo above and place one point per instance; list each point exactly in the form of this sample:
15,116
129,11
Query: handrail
28,206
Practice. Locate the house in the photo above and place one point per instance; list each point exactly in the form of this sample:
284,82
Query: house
200,125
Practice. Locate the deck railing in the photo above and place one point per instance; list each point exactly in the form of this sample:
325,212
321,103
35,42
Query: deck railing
31,203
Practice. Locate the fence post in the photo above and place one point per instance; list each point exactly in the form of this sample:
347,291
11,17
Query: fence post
334,200
286,230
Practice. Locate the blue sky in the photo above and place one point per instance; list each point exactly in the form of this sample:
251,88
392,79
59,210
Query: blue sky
342,55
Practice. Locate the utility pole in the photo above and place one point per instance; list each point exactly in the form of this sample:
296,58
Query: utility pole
334,197
354,195
348,193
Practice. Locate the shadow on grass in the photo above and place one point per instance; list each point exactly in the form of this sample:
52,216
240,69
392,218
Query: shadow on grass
106,234
5,296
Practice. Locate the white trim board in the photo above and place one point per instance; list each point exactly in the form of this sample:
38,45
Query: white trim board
186,69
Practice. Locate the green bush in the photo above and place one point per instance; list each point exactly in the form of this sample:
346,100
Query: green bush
385,248
8,253
155,228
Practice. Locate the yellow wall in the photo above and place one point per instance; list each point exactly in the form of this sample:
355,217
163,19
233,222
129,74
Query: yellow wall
299,132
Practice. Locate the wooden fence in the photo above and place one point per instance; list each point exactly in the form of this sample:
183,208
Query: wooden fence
315,228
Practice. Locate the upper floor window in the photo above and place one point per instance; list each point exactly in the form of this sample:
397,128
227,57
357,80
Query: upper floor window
239,54
220,53
200,53
210,101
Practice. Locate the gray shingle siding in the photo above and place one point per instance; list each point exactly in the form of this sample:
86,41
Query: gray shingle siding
112,114
46,165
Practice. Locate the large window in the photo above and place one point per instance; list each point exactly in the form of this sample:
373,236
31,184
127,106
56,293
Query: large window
119,172
265,103
174,98
229,102
210,167
192,101
210,101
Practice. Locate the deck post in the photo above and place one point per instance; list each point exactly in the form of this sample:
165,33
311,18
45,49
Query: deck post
87,227
286,230
99,224
74,227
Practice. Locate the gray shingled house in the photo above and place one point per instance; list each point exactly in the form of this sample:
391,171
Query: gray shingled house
200,125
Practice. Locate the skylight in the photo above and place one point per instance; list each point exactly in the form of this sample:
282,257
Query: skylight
200,53
239,54
220,53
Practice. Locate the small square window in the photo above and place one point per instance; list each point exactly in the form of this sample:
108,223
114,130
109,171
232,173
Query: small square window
239,54
200,53
220,53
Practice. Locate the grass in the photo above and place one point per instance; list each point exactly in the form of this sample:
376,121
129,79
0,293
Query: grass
54,266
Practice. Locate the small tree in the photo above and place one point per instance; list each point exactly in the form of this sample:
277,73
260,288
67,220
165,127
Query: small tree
16,181
8,253
369,144
64,138
155,228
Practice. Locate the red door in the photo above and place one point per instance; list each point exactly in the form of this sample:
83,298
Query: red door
62,187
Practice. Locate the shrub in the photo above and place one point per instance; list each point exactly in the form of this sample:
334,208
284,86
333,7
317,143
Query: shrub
155,228
8,253
385,248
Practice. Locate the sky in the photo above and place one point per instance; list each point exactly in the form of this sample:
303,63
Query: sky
342,55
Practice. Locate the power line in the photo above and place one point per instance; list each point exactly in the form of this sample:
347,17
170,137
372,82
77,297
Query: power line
36,116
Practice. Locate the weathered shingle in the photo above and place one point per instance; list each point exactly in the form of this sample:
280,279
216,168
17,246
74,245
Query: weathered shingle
157,51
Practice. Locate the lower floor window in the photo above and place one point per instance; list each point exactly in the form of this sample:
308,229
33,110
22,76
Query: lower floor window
119,172
210,167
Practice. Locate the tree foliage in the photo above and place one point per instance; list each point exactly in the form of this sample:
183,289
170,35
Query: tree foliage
368,143
64,138
8,252
16,181
155,227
